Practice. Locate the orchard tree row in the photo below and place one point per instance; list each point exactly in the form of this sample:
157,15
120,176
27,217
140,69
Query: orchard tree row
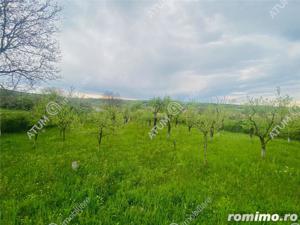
261,117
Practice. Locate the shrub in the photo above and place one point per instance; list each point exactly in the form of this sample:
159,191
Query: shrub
14,121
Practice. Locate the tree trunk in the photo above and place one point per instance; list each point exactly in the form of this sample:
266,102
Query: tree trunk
35,139
263,147
100,137
169,129
251,132
126,119
211,133
174,144
155,121
190,128
205,149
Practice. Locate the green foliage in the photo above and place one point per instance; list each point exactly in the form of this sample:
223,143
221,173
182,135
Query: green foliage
103,121
126,113
107,122
81,109
14,121
265,115
157,105
65,118
208,118
143,183
190,116
142,116
16,100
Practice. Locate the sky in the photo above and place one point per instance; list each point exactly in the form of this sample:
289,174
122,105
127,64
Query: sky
185,49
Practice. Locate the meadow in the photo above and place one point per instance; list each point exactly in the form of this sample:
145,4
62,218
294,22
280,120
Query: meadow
149,112
133,180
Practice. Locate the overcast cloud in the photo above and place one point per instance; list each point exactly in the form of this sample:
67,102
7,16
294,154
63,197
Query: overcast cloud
185,48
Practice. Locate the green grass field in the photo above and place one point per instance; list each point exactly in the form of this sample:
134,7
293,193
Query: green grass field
132,180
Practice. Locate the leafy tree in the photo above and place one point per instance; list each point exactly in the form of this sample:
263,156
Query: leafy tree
156,105
171,115
64,119
218,120
190,117
207,118
104,125
126,112
64,115
265,114
39,116
168,113
107,122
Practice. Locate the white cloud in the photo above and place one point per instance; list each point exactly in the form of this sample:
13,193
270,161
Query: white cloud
185,47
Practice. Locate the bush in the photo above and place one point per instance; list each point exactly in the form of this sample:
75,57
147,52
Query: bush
292,131
17,100
235,126
14,121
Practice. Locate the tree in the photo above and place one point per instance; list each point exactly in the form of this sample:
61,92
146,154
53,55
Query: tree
29,51
65,118
110,117
104,125
190,117
265,114
218,120
107,122
206,119
172,110
126,112
168,113
64,114
37,117
157,106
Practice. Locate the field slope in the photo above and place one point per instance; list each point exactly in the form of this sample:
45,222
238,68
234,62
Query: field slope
133,180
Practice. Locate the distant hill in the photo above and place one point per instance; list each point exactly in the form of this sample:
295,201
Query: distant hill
25,101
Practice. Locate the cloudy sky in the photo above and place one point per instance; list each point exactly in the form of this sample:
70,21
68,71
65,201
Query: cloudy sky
181,48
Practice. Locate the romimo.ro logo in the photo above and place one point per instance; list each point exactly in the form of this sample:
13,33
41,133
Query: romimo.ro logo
263,217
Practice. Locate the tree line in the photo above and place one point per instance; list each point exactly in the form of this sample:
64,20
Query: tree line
260,116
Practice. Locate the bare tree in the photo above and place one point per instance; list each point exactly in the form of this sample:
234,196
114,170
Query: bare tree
29,50
112,99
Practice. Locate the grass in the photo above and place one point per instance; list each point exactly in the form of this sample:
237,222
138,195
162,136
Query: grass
132,180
